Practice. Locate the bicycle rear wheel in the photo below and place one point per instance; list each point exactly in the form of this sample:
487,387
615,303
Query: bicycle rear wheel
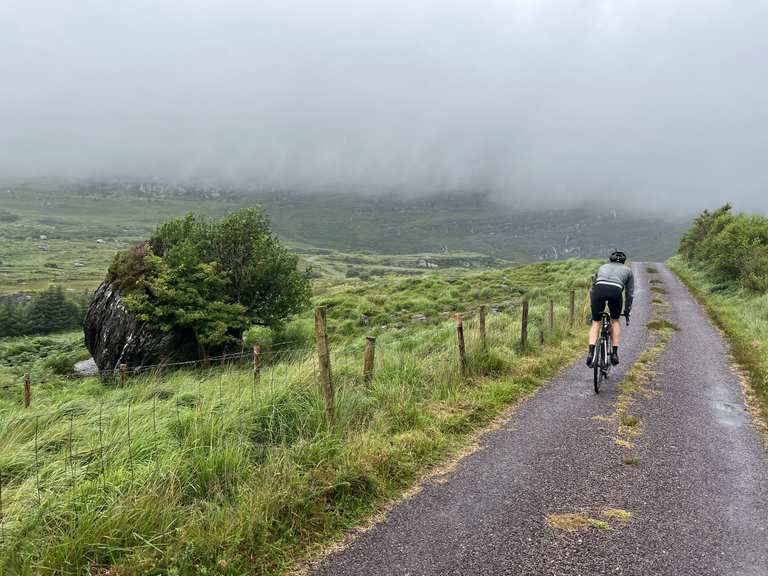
597,367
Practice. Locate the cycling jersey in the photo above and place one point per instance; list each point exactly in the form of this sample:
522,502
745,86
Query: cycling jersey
619,275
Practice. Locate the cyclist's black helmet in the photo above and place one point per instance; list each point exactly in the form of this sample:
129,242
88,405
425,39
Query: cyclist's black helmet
619,257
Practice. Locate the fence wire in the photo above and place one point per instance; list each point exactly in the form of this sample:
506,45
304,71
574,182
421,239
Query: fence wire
50,455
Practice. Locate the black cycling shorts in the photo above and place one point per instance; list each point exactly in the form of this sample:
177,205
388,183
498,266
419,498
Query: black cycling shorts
603,294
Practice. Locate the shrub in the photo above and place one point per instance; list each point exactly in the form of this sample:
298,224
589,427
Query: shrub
258,335
213,277
731,248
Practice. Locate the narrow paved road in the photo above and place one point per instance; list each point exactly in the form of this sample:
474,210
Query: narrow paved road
692,473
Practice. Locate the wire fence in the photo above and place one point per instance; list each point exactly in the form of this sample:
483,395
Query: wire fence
56,448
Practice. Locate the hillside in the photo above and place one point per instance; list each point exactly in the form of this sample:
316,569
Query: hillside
67,232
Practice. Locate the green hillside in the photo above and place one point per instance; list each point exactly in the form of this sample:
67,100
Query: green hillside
66,233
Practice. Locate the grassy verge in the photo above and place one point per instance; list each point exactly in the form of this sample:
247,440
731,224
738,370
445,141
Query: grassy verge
205,473
743,316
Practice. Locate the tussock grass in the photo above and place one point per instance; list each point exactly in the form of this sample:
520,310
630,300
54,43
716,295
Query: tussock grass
576,522
662,324
618,514
630,421
215,475
658,290
651,270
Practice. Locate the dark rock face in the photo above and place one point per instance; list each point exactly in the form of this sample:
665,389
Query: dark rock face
114,336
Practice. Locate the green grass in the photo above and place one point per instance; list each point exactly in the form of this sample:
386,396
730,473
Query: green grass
630,421
632,460
662,324
214,475
339,235
742,315
398,303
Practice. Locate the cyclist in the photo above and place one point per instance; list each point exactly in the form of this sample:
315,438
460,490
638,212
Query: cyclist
612,279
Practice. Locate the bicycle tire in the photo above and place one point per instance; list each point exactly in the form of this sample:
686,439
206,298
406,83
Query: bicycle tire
596,366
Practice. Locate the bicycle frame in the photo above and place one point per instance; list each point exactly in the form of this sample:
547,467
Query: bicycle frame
602,363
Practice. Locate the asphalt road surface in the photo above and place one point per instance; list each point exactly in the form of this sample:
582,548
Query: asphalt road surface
562,489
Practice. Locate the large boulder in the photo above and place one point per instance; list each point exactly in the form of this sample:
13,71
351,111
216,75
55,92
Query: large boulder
114,336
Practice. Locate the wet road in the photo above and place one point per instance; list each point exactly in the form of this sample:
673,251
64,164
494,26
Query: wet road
670,479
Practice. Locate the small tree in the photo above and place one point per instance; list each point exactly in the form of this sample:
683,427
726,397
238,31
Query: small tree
214,277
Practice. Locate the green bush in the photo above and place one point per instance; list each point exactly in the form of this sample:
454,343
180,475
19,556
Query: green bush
731,248
213,277
261,335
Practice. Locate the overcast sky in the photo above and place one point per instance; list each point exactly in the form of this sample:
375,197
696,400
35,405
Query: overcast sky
657,101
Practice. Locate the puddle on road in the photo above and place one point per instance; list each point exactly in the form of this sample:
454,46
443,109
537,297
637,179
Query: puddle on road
729,413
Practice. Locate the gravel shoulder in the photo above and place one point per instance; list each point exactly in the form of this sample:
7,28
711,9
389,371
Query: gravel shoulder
666,477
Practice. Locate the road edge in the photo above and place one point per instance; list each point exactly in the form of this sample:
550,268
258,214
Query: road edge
757,411
471,444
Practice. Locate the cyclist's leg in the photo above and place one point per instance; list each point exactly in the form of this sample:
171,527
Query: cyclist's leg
594,332
598,305
615,304
598,302
616,332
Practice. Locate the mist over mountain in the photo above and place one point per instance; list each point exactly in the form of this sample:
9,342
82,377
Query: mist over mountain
656,105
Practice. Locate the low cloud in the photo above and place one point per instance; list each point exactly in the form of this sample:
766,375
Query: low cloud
658,104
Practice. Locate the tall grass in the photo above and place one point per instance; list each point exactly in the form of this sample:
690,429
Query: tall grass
199,472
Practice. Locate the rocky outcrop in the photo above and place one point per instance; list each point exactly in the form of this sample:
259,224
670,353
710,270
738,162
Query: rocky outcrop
115,336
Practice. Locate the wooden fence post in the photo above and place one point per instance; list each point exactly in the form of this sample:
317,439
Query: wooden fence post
572,304
524,327
541,337
460,339
324,358
27,390
483,340
256,364
370,356
123,373
551,323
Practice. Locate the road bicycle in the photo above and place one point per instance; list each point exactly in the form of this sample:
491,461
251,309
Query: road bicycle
601,365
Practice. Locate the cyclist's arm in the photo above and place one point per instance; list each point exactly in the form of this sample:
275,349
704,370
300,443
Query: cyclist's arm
629,292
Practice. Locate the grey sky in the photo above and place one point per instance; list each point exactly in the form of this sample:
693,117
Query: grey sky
665,101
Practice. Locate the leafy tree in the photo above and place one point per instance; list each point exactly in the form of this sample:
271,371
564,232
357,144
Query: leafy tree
731,248
48,311
51,311
214,277
705,226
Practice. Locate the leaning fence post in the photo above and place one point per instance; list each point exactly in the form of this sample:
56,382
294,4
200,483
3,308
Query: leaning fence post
460,340
524,327
483,340
123,373
551,314
256,364
27,390
572,304
370,356
324,358
541,337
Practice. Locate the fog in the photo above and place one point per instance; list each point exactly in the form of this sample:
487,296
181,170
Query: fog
647,103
